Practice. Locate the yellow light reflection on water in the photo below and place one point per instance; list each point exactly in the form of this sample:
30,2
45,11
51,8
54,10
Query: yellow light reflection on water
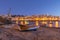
37,23
44,22
26,22
50,25
22,22
56,24
16,22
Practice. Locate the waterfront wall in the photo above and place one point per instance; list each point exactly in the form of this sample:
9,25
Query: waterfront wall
48,21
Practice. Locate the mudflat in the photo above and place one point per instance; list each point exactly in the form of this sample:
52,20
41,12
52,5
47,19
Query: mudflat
43,33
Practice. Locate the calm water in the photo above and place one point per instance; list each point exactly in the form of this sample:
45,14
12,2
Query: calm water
53,23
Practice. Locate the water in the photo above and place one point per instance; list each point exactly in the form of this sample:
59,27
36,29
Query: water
53,24
48,23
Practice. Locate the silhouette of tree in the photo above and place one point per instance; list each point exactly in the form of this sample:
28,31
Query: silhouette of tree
1,19
5,20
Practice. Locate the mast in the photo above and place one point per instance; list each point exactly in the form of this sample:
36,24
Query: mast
9,12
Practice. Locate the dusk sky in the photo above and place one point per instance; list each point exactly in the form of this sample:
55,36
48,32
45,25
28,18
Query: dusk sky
30,7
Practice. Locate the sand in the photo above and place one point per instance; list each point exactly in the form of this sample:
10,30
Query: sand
42,33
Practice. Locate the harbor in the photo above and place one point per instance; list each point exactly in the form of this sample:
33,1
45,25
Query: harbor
29,19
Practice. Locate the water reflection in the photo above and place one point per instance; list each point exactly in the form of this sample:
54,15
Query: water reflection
49,24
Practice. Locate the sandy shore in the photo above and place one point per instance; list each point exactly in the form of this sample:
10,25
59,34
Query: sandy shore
41,34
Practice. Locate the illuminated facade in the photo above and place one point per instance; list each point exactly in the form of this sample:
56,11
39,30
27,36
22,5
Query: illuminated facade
41,19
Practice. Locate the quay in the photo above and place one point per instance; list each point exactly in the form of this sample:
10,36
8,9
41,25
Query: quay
47,20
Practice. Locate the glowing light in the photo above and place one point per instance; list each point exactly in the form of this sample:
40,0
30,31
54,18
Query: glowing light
44,22
22,22
16,22
56,24
37,18
50,25
26,22
37,23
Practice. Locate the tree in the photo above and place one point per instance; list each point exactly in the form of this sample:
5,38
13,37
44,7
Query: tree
5,20
8,21
1,19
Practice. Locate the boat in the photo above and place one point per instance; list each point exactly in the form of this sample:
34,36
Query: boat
33,28
27,28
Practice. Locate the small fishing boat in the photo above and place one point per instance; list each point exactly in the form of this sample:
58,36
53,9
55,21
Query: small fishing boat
28,28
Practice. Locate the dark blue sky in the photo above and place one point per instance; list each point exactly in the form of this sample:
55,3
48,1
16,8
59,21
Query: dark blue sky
30,7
